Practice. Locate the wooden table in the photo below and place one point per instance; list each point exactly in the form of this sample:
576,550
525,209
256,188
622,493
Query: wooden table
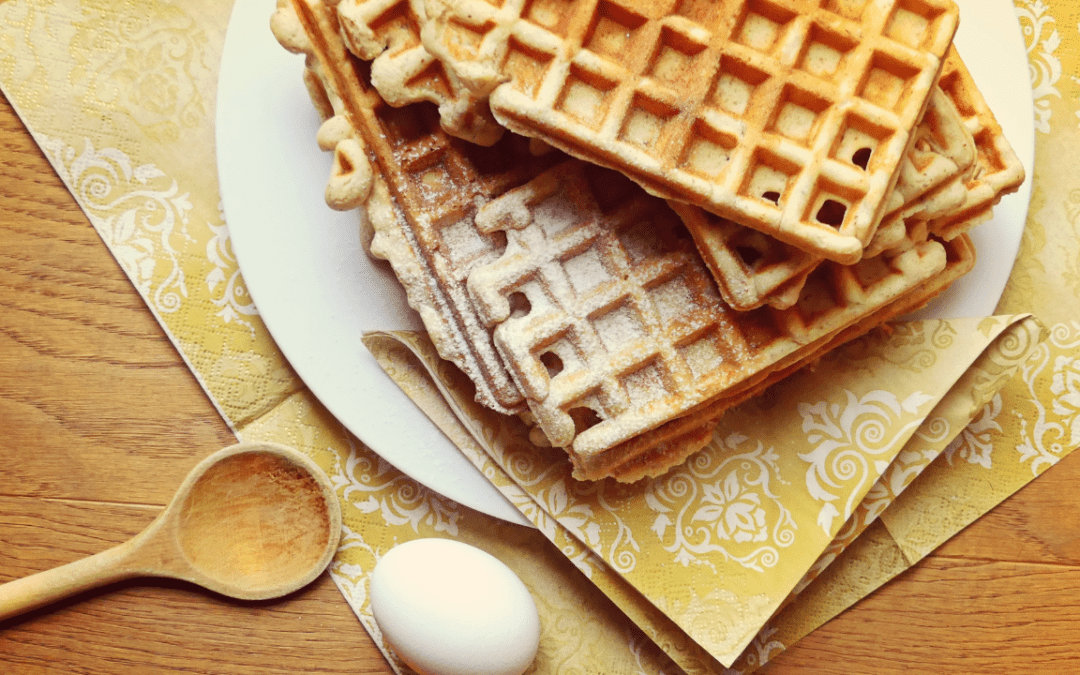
100,420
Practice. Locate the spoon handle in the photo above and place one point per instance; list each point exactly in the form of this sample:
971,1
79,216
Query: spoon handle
43,588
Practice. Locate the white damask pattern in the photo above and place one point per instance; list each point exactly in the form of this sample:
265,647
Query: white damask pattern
853,445
759,652
975,444
352,578
133,213
1054,429
1042,40
372,485
227,288
723,503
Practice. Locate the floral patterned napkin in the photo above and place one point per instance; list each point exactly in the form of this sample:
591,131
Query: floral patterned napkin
718,545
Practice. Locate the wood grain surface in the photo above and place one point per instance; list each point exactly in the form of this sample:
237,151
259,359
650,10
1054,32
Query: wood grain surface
100,420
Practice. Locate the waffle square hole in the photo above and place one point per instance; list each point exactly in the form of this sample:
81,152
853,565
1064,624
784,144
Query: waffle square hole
396,26
646,384
586,413
763,25
707,151
586,270
405,126
528,65
556,213
463,40
640,241
554,15
432,77
858,141
754,249
831,205
953,84
734,86
990,158
614,32
770,177
585,96
915,23
675,59
527,297
430,175
616,326
646,123
888,82
703,354
673,300
560,356
798,115
817,296
870,271
464,244
849,9
825,53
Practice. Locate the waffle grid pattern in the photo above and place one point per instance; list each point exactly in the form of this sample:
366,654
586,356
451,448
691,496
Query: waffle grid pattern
645,456
435,183
608,283
752,268
756,109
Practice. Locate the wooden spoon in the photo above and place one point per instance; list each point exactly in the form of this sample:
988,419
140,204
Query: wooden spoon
252,521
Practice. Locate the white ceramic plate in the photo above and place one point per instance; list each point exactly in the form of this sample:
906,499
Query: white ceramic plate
317,291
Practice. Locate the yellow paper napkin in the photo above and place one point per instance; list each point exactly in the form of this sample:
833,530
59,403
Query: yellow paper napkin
718,544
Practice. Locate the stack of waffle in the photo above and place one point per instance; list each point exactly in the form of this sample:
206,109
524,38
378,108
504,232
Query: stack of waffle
622,217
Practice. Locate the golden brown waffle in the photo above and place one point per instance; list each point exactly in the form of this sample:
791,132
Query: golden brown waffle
646,456
998,170
387,33
428,189
611,325
787,116
752,268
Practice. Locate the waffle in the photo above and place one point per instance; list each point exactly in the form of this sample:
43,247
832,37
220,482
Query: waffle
787,116
427,189
644,456
387,33
611,326
753,269
998,170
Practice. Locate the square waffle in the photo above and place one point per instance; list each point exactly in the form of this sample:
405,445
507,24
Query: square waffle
752,268
787,116
654,452
611,325
428,188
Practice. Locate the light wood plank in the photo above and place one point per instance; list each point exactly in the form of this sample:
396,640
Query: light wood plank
1039,524
100,421
953,616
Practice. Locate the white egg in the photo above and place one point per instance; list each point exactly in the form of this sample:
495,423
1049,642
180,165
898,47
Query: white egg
447,608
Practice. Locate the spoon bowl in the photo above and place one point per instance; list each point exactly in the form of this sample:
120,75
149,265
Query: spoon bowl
252,521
